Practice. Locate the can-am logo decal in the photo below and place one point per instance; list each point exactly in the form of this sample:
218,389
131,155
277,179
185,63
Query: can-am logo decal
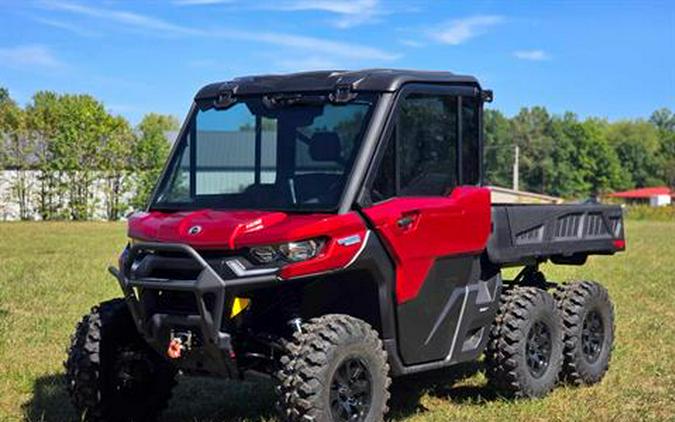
195,230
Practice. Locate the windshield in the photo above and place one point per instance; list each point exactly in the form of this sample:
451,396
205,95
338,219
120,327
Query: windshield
265,153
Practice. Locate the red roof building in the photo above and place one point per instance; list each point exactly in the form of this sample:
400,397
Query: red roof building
643,193
656,197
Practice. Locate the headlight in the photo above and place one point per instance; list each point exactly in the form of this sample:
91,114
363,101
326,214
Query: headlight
301,251
291,252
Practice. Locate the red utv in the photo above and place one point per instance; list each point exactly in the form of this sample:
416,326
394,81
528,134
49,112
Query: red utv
330,230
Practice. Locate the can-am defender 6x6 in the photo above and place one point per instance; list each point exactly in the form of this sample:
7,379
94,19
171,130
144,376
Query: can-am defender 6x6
330,230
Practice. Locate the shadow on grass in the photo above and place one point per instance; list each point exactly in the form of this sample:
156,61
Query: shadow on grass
213,400
407,391
194,399
50,401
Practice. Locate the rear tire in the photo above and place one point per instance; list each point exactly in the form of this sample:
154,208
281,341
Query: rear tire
588,331
335,369
111,373
524,353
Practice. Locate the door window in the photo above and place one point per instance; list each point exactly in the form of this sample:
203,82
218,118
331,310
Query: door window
424,146
470,148
427,145
384,184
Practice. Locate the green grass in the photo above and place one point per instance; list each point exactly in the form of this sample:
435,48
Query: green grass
51,273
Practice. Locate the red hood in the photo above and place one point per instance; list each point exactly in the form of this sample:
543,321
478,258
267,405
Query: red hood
234,229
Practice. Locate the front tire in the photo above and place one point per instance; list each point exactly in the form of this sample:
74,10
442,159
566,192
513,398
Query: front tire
524,353
111,373
588,331
335,370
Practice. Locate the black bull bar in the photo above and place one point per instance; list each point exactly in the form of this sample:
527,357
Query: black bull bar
215,352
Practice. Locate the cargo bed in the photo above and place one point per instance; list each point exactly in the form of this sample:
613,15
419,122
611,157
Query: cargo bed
565,234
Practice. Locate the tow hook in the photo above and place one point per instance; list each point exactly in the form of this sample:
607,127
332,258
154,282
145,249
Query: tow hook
181,341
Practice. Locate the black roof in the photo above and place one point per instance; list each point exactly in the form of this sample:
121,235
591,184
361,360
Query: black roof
387,80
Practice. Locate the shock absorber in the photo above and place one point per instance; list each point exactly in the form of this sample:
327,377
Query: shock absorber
290,301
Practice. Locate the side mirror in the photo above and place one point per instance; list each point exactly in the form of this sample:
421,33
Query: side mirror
487,95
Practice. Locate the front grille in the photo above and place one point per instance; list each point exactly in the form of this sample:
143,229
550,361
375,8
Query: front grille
179,266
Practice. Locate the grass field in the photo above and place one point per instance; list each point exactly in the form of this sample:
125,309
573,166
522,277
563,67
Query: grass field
51,273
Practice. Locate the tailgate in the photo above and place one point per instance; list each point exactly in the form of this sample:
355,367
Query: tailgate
566,234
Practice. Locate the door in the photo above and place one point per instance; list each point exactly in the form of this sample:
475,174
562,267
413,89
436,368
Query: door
431,214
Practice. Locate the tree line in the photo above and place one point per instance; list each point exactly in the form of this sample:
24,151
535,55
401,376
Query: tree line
61,145
565,156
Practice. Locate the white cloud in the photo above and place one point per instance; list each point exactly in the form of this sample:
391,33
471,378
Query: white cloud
29,56
161,27
458,31
120,16
412,43
200,2
533,55
318,45
67,26
336,6
351,12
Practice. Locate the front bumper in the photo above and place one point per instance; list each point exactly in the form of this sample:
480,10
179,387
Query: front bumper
213,352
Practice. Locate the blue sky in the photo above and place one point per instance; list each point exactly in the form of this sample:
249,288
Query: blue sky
613,59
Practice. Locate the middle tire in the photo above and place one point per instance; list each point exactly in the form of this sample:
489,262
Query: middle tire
335,370
525,351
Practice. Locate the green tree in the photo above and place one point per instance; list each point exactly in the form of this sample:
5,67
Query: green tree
570,163
668,158
42,121
499,149
79,146
17,151
4,95
83,124
664,120
150,153
605,173
583,161
637,145
532,132
114,165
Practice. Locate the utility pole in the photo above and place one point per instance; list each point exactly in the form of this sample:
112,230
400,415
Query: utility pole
516,154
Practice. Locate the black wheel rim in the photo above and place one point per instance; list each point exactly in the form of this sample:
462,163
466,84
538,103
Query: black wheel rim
592,336
538,349
351,391
132,374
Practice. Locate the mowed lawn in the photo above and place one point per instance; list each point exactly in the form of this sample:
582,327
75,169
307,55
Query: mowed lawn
52,273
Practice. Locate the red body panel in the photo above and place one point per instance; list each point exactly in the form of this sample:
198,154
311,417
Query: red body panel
436,227
230,230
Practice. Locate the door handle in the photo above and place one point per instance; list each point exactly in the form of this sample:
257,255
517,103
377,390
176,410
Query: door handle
407,220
